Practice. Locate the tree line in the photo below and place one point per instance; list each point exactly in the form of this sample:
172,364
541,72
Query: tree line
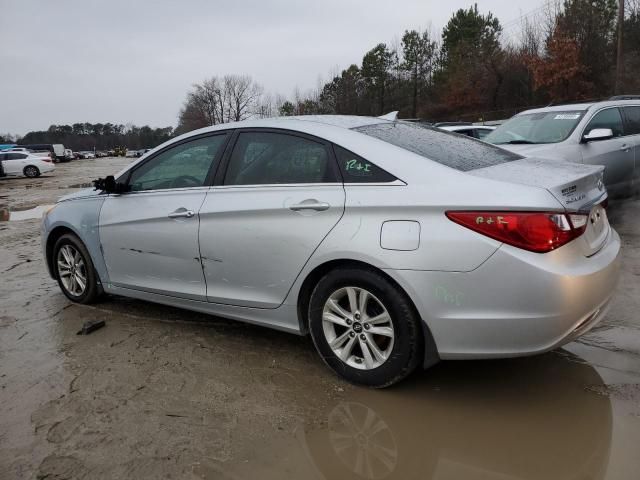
475,70
101,136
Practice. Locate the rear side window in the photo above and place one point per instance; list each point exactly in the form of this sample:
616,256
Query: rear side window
455,151
264,158
356,169
632,115
608,118
16,156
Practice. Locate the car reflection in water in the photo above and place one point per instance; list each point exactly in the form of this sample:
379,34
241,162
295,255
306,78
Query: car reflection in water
524,418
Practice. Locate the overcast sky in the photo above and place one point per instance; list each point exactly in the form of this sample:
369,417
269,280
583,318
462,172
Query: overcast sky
131,61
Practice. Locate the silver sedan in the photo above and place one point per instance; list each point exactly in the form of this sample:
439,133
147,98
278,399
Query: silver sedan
391,244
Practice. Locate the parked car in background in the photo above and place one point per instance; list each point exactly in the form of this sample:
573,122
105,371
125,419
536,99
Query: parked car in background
131,154
44,153
475,131
57,149
68,154
16,164
598,133
393,244
86,154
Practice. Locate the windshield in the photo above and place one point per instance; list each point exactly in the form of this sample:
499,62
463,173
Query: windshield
450,149
533,128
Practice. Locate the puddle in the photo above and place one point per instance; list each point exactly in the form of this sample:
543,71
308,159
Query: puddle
527,419
7,215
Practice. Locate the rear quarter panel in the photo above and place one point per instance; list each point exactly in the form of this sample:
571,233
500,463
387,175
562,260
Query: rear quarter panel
444,246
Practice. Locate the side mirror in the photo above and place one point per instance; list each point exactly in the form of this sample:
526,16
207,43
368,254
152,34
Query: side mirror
598,134
109,185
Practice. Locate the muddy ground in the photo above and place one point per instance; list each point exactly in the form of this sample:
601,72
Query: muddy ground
164,393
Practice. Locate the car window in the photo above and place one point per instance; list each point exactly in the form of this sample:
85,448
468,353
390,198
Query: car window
455,151
607,118
356,169
633,120
467,131
482,132
183,166
262,158
16,156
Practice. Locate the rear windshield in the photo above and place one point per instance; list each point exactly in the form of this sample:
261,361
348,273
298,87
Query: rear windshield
456,151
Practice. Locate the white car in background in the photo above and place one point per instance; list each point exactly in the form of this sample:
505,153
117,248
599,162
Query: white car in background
16,164
474,131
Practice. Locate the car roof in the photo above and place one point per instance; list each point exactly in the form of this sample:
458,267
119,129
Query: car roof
572,107
337,124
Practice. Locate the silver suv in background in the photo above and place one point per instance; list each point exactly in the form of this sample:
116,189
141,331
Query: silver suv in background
600,133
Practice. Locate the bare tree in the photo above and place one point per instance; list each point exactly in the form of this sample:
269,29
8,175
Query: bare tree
243,96
221,100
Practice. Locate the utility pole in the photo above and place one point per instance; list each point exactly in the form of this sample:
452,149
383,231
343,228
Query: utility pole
619,60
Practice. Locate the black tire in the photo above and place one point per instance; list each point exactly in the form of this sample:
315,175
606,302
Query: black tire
31,171
93,289
406,352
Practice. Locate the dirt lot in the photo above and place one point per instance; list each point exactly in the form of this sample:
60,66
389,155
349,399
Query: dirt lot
164,393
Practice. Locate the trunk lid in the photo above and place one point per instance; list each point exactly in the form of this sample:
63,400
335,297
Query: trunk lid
578,188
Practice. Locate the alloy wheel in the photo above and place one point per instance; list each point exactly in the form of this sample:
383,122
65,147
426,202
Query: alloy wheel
358,328
72,270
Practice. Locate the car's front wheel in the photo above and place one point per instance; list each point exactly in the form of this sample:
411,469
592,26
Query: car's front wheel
74,270
364,327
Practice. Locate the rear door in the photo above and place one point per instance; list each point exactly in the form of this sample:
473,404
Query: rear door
280,196
632,128
615,154
149,236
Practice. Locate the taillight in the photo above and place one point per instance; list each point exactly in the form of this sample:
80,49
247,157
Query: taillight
46,159
534,231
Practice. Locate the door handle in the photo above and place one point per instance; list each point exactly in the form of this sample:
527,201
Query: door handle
181,213
310,204
625,148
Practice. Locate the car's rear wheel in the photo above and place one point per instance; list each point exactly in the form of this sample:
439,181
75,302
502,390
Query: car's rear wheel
74,270
31,171
365,327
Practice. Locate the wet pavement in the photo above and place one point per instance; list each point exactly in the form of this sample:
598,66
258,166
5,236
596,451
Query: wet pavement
165,393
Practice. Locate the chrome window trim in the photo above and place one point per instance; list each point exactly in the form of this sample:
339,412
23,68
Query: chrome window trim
204,188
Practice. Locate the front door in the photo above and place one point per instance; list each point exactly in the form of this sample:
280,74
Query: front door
632,128
616,154
280,197
149,236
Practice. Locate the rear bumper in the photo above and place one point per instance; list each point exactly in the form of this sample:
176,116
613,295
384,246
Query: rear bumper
517,303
